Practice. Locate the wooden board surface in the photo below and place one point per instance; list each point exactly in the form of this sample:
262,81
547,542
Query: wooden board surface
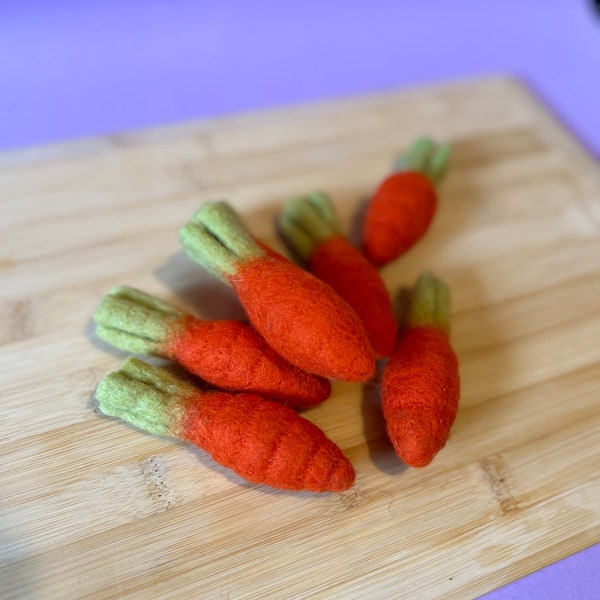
91,507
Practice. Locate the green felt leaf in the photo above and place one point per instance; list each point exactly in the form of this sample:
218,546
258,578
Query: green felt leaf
427,157
135,321
308,221
438,163
217,239
145,396
429,304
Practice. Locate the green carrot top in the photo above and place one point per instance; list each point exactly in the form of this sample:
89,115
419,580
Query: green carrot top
428,304
135,321
217,238
426,157
144,396
308,221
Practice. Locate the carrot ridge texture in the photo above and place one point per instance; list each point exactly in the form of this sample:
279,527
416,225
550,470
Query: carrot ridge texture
420,386
301,317
262,441
311,227
225,353
402,209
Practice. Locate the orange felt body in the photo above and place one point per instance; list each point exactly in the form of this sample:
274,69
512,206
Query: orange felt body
234,356
265,442
397,216
420,390
337,262
304,319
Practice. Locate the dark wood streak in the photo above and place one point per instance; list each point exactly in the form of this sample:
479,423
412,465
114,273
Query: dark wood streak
495,472
17,321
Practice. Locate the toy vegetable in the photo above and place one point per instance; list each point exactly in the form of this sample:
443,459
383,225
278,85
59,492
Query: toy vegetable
225,353
262,441
300,316
403,207
420,385
311,227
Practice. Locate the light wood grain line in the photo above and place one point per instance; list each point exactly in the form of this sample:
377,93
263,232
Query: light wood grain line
522,316
205,179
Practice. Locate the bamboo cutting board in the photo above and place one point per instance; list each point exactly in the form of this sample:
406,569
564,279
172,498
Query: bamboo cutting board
93,508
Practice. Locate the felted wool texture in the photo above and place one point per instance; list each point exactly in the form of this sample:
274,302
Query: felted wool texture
310,225
267,443
397,216
217,238
429,303
227,354
308,221
234,356
354,278
300,317
145,396
263,441
420,391
304,320
136,322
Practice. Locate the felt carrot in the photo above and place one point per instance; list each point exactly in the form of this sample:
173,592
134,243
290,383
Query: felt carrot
262,441
420,385
302,318
228,354
311,227
403,206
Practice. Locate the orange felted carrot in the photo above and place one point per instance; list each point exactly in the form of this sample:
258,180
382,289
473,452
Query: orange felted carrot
420,385
262,441
301,317
311,227
402,209
228,354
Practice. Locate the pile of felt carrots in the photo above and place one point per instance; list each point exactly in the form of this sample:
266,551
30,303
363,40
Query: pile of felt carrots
328,318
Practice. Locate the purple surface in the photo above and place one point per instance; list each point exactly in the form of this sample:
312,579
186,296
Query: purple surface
71,69
574,578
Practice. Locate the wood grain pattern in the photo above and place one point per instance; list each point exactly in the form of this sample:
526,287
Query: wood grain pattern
93,508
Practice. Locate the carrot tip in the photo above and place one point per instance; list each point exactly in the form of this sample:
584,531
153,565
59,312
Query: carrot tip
343,478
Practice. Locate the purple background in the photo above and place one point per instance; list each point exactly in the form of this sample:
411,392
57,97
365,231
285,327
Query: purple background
72,69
